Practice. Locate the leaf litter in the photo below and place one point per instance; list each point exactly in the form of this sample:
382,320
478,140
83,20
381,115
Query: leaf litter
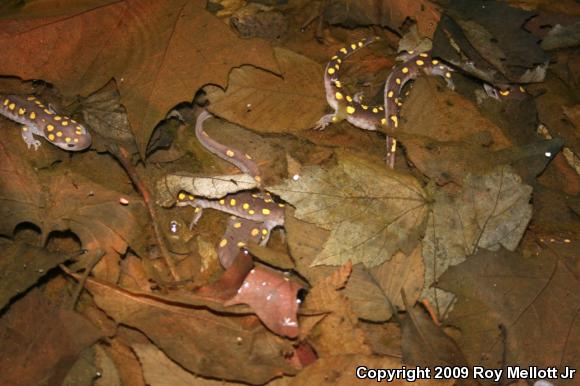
377,250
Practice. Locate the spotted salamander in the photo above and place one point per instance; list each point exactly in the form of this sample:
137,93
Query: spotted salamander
257,208
241,160
43,121
367,117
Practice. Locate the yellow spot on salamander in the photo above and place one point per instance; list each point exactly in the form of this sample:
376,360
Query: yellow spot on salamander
51,137
64,123
57,118
11,106
76,140
238,225
222,201
24,128
420,62
181,196
522,89
337,67
331,71
79,131
405,70
383,121
394,146
248,156
504,92
258,178
365,107
59,134
281,205
32,115
350,110
375,110
47,111
67,139
349,98
434,62
411,52
252,212
264,232
246,206
398,81
353,46
448,74
423,55
6,101
343,50
334,57
49,127
268,200
241,244
223,243
21,111
233,202
30,98
337,84
338,61
191,199
230,153
266,211
334,118
390,94
255,232
395,120
338,95
360,44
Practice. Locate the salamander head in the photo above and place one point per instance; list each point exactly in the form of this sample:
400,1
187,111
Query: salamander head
68,135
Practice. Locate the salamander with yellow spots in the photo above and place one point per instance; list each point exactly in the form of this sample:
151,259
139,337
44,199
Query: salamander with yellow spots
41,120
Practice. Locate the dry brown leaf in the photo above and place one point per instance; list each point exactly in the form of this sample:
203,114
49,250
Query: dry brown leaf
401,273
21,266
425,344
518,310
262,101
32,326
127,363
372,212
160,53
339,370
338,332
159,370
490,211
367,299
209,345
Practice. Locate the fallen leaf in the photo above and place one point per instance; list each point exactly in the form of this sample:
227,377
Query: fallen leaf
371,212
209,344
154,50
33,325
273,296
515,311
366,297
394,14
159,370
59,202
21,266
265,102
340,370
425,344
338,332
490,211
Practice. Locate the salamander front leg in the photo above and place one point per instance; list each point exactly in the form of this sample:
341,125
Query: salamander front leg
28,137
325,121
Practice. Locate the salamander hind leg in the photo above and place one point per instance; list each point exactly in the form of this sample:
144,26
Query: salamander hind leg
28,137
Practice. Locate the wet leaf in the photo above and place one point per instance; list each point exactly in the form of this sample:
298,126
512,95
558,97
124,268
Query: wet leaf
153,49
21,266
209,345
273,297
371,212
514,309
32,326
490,211
265,102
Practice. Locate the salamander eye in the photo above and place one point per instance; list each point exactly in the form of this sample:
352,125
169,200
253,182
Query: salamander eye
301,295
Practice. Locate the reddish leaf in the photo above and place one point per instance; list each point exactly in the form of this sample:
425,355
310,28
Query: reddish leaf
273,296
